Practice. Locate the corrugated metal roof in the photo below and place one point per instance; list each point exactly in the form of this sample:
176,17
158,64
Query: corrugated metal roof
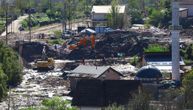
88,71
106,9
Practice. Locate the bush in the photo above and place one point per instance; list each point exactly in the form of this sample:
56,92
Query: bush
55,103
58,34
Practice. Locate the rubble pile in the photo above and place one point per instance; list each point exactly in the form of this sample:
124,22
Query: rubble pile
187,32
33,50
35,87
110,45
58,81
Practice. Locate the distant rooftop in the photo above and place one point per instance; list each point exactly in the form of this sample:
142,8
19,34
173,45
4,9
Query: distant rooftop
88,71
186,2
107,9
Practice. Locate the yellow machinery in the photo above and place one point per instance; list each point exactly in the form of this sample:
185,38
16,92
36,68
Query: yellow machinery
48,64
44,63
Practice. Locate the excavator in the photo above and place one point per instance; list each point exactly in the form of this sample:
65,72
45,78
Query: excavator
83,42
44,63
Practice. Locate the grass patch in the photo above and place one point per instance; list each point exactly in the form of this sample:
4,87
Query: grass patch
56,41
156,48
37,20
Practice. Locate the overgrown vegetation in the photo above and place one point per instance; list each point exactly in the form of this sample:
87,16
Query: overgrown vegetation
10,69
2,24
55,103
39,19
187,53
156,48
160,14
115,19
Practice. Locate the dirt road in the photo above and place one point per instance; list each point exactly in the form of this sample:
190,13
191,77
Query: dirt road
14,26
57,26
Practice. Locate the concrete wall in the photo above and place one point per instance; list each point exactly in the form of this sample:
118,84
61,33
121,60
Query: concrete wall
90,108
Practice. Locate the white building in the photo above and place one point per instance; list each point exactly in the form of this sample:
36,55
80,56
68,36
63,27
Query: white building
100,12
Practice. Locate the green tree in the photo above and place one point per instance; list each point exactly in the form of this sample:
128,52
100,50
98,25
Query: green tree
115,20
161,15
135,11
3,84
50,14
188,88
10,65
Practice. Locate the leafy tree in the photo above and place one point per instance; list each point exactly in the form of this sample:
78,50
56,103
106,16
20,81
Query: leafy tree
10,65
50,14
20,5
135,11
161,15
3,85
156,17
43,5
115,20
188,88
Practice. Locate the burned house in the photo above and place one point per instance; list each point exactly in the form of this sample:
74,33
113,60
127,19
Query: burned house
98,94
92,72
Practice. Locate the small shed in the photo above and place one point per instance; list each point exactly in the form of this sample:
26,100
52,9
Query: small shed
93,72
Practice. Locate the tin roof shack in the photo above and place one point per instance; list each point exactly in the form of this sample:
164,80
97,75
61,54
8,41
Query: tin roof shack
98,94
162,61
93,72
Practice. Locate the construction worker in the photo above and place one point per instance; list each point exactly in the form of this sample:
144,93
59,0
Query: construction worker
44,56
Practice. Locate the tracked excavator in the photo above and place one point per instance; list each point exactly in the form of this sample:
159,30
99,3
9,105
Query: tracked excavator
83,42
44,63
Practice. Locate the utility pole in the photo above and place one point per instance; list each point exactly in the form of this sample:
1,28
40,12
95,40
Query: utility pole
29,13
6,22
29,20
69,14
175,30
64,16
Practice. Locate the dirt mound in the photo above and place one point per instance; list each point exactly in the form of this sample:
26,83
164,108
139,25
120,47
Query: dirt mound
33,50
111,45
